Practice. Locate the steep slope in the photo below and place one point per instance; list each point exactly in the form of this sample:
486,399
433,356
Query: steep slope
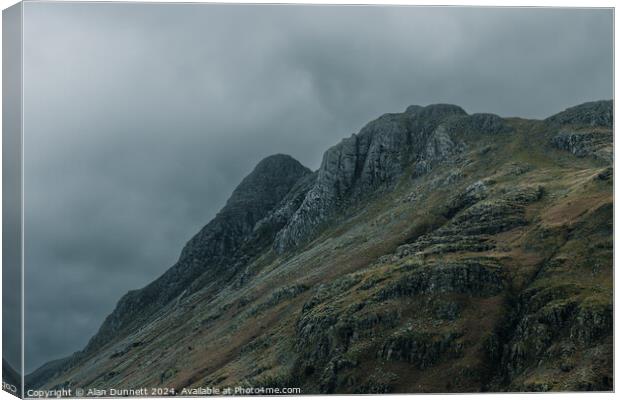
212,256
214,249
433,251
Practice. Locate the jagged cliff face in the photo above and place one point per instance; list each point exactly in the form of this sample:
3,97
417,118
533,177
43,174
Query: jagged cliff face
432,251
377,157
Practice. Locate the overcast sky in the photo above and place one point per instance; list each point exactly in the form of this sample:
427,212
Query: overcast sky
140,119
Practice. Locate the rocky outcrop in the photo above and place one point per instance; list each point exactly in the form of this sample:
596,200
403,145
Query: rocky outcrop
472,194
330,327
255,197
553,332
480,123
323,331
365,162
479,277
422,349
595,113
277,297
375,158
598,144
559,325
471,229
278,218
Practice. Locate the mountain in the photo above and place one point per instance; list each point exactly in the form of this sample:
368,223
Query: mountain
11,379
434,251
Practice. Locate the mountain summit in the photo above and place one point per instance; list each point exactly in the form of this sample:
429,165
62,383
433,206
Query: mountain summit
433,251
215,253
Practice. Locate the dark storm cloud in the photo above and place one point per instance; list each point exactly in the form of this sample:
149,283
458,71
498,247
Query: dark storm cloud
142,118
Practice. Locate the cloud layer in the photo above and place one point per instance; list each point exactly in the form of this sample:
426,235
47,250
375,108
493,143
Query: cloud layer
140,119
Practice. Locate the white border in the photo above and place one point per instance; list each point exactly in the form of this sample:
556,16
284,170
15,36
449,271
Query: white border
484,3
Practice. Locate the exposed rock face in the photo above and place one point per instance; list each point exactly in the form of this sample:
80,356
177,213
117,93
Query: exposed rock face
423,349
329,336
489,124
595,113
586,144
480,277
555,321
257,195
472,194
553,330
472,228
214,248
376,157
589,131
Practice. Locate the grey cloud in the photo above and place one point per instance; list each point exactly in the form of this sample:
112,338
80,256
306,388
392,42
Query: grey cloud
142,118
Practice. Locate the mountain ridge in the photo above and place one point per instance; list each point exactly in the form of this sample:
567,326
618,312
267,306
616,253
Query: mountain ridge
256,195
427,148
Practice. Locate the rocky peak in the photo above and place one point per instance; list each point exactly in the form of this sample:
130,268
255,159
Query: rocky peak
370,161
412,109
212,251
264,187
585,130
437,112
268,183
488,123
594,113
257,194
